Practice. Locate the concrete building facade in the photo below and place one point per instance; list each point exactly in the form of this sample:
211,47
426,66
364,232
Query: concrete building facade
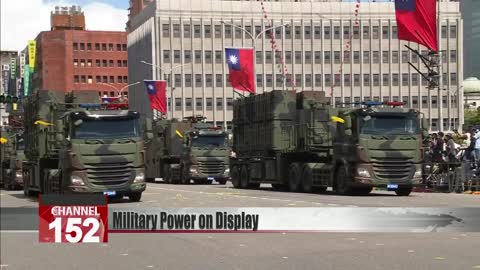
8,64
471,32
189,36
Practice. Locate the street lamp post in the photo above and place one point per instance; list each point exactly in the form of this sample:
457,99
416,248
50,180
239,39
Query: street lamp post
254,38
172,85
119,92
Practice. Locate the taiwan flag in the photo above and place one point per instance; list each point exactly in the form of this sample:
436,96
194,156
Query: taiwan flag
157,94
241,68
417,22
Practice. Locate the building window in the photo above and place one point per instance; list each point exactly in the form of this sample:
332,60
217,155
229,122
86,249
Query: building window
219,80
366,32
111,63
199,104
385,32
218,31
188,80
112,79
424,101
395,79
318,57
453,31
453,56
104,63
124,47
375,32
376,79
178,80
376,57
119,63
218,57
385,57
90,79
207,31
434,102
346,32
366,79
278,33
346,57
453,78
268,57
119,47
356,80
308,80
317,32
308,32
208,57
166,56
89,46
176,30
444,31
366,57
105,79
98,79
178,104
104,46
75,62
97,46
208,80
327,34
258,57
197,33
336,57
176,56
288,57
110,47
187,32
279,80
198,80
166,30
82,62
356,32
318,80
228,31
356,57
188,104
229,104
76,79
298,57
82,46
328,80
198,56
188,56
269,79
336,32
209,103
415,79
83,79
395,57
394,32
405,79
346,79
386,79
405,56
219,103
415,101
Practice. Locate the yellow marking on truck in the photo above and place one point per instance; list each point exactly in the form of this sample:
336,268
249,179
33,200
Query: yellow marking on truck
337,119
3,140
179,133
43,123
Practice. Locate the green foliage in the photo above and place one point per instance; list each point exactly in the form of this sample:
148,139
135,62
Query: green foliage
472,117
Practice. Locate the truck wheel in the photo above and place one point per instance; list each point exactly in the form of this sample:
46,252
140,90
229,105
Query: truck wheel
294,181
135,196
235,177
149,180
279,187
404,191
244,177
222,181
343,179
307,179
363,191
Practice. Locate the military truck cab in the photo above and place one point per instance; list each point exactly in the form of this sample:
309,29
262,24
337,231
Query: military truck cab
381,145
205,155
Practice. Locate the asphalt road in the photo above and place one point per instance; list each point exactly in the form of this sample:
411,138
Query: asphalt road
21,250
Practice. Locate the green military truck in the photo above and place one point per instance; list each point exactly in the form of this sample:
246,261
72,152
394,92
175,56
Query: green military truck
181,151
297,141
74,143
11,157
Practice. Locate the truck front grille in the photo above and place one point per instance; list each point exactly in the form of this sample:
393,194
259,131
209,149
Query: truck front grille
392,168
211,167
109,174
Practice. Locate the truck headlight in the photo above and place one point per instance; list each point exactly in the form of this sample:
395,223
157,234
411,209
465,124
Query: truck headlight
77,180
18,175
193,170
139,178
227,171
363,172
418,174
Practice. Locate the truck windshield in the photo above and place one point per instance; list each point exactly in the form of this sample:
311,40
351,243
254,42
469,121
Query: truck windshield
209,141
389,125
106,129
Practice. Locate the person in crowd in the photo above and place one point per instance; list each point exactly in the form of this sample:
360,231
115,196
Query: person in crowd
476,148
451,148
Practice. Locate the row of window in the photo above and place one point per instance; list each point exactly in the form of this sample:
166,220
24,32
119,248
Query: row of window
98,46
425,100
309,57
180,103
348,80
99,63
308,32
99,79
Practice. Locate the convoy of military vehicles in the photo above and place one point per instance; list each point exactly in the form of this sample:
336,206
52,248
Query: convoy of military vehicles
295,141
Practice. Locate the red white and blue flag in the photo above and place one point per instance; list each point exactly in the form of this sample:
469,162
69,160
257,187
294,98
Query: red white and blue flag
241,68
417,22
157,95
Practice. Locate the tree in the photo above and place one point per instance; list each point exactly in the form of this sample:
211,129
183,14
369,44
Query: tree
472,118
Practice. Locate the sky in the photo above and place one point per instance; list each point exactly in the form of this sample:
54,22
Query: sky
22,20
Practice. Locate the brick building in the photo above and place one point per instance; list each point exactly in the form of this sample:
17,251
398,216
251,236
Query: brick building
70,58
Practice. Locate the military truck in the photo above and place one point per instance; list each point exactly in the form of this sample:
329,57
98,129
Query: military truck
299,142
181,151
11,157
76,144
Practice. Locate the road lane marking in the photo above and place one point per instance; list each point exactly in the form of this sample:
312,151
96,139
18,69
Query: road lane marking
235,195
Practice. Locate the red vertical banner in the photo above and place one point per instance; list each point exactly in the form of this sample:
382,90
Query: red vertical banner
73,219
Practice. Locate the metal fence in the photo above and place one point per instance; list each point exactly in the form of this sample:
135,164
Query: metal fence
447,176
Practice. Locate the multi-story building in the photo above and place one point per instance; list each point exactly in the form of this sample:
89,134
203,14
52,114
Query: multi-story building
471,33
321,47
8,65
71,58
